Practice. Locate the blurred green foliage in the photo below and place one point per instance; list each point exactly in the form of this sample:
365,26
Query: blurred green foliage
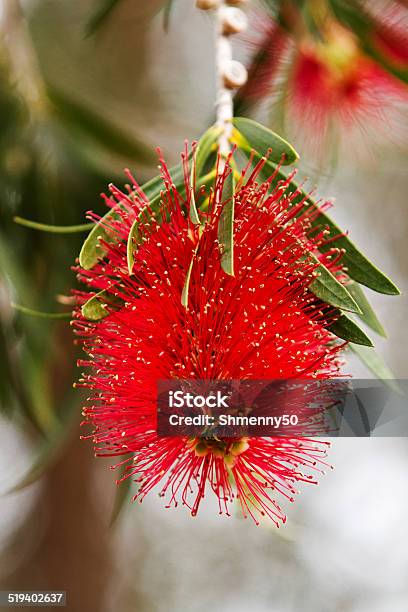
48,173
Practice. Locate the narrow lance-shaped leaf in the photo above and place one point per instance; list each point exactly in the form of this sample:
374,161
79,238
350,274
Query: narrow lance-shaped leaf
249,136
226,225
134,236
22,362
92,249
186,288
204,148
14,383
347,329
132,242
367,314
359,268
96,307
327,288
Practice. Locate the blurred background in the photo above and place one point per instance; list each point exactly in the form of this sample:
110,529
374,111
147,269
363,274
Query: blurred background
88,87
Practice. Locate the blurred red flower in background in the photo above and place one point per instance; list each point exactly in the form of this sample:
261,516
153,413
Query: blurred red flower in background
326,82
333,85
261,323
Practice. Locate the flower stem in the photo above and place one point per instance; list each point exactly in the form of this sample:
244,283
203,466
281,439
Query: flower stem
224,102
230,74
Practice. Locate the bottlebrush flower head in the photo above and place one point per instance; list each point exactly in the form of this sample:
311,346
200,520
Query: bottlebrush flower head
261,323
335,89
326,86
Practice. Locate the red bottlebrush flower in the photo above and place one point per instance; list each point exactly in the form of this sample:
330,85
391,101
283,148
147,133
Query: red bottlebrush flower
326,86
334,88
262,323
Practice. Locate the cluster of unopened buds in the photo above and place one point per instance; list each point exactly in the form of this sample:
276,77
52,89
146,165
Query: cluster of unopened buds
232,20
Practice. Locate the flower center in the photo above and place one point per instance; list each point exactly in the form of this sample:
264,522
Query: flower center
339,53
229,450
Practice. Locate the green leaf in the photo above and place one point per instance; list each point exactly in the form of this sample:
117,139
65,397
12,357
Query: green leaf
367,314
96,307
347,329
15,378
375,363
359,268
226,225
41,315
80,116
251,136
134,237
204,148
327,288
184,294
92,249
122,494
103,9
23,372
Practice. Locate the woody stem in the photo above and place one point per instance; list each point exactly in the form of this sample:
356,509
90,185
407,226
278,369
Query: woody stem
224,100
